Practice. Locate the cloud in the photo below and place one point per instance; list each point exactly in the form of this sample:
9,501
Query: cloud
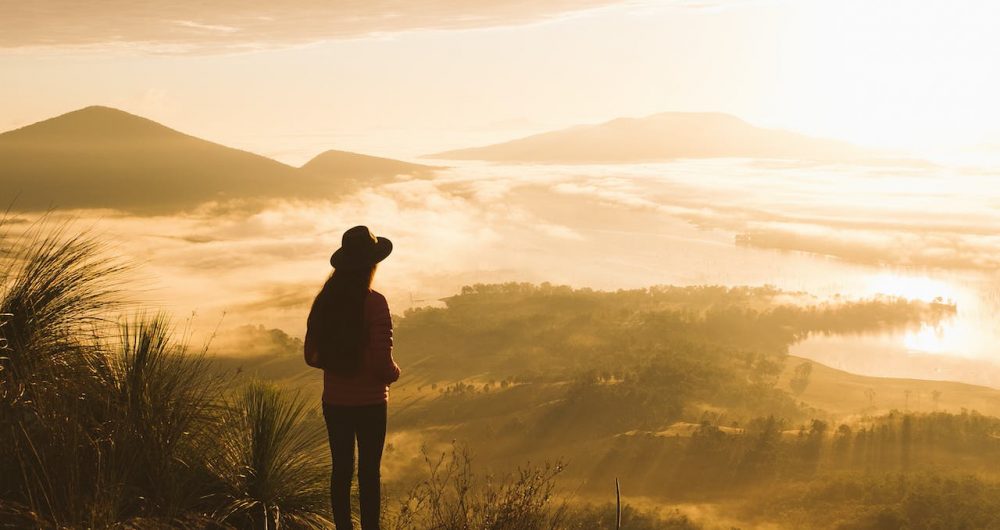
560,231
606,227
862,214
281,296
231,25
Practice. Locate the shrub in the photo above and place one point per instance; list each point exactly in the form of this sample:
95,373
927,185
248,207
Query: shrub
271,467
54,294
454,497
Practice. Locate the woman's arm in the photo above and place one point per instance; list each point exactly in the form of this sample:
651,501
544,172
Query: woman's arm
380,338
309,350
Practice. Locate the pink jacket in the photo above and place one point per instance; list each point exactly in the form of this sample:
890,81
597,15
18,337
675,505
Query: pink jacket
378,370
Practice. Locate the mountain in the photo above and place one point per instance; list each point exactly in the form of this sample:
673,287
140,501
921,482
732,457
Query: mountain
353,169
100,157
665,136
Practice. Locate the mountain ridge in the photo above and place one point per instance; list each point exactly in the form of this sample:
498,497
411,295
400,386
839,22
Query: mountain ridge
103,157
659,137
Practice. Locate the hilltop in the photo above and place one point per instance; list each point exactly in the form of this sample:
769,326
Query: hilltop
354,169
664,136
101,157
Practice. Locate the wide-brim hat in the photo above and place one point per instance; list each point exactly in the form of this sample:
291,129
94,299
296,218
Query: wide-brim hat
359,249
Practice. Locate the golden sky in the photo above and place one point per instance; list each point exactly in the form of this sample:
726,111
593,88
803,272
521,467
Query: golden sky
403,78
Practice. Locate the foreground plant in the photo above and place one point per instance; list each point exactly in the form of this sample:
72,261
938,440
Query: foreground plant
54,293
163,402
100,423
272,467
453,496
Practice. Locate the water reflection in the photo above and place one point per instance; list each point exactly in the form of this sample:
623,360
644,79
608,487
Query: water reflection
938,339
962,348
914,287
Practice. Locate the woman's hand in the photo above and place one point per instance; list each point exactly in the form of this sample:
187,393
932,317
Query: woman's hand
310,352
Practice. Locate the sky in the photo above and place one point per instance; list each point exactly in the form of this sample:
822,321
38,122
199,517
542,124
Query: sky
407,78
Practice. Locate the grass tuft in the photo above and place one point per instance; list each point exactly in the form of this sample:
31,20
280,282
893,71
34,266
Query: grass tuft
271,467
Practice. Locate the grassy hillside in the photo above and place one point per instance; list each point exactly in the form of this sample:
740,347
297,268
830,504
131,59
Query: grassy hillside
514,360
701,348
843,395
686,395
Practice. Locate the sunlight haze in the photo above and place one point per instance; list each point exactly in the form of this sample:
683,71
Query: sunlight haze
901,75
560,264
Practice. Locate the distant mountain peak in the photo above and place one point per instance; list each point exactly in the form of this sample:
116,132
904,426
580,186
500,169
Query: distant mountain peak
715,117
362,169
95,120
336,155
100,109
660,137
690,114
97,112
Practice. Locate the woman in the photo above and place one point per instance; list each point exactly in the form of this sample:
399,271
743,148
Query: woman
349,336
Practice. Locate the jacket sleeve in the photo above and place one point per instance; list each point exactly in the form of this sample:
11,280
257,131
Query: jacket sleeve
309,350
380,339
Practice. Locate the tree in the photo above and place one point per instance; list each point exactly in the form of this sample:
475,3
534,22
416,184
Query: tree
906,441
870,394
800,379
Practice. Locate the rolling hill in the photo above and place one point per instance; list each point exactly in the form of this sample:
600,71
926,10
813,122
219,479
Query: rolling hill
665,136
100,157
357,169
719,346
684,393
843,394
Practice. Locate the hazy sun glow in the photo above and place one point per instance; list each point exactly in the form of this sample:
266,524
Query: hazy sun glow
716,254
912,74
957,337
911,287
938,340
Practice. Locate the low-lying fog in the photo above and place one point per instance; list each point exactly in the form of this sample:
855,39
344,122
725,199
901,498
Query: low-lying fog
909,229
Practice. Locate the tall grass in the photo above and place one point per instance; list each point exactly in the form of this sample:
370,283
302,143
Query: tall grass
271,468
55,291
108,423
163,404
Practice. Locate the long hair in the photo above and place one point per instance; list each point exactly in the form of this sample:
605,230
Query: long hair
336,320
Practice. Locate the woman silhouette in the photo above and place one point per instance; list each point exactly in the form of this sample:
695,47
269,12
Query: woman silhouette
349,336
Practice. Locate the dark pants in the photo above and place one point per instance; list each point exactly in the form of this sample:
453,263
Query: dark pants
366,423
